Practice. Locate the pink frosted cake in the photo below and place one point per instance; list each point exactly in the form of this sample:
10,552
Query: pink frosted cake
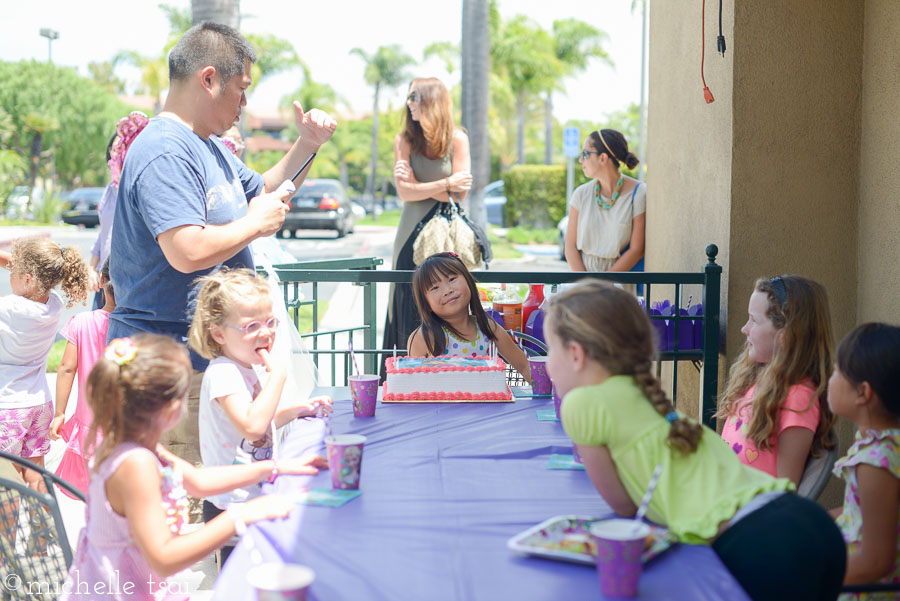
446,379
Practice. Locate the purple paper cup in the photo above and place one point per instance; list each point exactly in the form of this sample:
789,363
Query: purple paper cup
620,544
345,459
557,403
540,380
575,456
364,392
276,581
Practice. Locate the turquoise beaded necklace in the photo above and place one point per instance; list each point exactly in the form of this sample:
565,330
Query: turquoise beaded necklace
603,204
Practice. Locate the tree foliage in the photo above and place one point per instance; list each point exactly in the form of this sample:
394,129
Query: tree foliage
73,115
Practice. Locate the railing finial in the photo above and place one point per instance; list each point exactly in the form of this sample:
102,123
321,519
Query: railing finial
711,251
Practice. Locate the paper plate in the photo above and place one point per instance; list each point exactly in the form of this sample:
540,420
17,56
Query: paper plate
568,538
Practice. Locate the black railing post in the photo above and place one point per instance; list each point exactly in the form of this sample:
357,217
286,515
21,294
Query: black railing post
711,311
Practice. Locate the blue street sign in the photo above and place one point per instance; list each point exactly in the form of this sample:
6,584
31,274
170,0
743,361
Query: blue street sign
571,142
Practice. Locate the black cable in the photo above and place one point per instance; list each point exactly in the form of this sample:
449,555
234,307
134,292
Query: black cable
720,41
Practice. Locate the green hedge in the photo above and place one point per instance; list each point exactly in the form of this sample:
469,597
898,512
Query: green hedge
536,194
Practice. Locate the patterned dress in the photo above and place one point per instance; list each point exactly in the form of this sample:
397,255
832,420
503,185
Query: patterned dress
882,450
456,347
107,556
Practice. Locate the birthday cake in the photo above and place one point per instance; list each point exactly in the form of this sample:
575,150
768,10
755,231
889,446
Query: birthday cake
457,379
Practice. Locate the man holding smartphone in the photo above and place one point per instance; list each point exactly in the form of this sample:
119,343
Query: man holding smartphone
186,205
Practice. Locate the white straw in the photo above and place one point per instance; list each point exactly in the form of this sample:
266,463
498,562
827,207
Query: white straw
645,502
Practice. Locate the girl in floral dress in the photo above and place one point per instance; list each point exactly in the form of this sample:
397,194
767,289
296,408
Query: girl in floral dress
865,388
137,496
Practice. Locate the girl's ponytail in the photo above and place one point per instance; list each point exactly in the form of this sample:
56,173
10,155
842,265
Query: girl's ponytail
104,393
684,434
74,276
131,384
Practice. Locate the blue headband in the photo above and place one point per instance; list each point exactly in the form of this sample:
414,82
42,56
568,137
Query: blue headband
780,290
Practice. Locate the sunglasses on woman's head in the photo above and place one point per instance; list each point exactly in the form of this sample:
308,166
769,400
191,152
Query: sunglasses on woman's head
585,154
255,326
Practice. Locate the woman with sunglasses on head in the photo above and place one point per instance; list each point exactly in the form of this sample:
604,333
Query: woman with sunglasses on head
607,214
431,166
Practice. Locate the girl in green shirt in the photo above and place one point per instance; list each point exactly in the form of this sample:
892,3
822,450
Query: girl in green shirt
776,544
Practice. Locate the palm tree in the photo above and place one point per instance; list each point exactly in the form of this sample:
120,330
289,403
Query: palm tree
226,12
273,55
154,73
385,68
575,43
525,53
476,69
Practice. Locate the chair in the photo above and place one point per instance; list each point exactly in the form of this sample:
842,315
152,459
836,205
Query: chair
818,469
34,548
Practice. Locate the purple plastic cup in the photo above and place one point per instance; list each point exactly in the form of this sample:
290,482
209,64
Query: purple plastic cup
620,544
540,380
277,581
557,403
345,459
364,392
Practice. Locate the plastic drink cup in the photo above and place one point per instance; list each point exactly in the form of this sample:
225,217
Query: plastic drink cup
620,544
540,380
364,392
275,581
345,459
557,403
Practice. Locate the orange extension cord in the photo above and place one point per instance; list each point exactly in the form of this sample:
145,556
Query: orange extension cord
707,95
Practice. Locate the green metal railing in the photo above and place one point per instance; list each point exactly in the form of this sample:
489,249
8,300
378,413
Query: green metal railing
363,272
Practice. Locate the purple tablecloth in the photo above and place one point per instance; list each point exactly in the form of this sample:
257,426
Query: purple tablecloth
444,487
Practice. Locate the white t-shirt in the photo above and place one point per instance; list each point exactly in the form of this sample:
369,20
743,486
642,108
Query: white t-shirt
220,441
27,331
605,232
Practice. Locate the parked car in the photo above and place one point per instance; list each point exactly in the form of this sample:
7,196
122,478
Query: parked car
562,227
16,205
494,200
359,210
81,207
319,204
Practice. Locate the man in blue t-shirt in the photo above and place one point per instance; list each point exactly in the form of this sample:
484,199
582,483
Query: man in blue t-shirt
186,205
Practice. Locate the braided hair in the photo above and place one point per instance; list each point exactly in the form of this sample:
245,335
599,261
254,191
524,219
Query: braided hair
615,331
128,390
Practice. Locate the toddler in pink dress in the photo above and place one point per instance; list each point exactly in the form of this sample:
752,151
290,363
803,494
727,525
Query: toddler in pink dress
137,496
86,336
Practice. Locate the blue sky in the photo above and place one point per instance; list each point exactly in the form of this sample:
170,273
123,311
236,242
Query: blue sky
94,30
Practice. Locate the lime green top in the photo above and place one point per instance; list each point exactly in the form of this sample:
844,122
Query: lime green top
695,492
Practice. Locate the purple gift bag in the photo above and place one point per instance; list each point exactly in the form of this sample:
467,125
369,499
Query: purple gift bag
535,327
496,315
697,311
685,331
663,332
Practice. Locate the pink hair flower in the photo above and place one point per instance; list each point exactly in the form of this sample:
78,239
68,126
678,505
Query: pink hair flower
126,131
121,351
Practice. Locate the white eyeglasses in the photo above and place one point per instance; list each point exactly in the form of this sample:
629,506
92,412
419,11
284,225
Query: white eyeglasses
255,326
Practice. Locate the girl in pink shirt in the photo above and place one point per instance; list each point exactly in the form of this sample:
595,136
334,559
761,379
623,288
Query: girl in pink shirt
86,336
775,417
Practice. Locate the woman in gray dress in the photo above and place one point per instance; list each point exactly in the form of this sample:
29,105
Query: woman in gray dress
431,161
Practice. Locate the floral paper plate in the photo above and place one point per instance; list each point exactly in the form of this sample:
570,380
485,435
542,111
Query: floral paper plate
568,538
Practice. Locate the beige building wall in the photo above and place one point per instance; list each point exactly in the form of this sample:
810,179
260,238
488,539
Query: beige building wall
879,190
771,171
